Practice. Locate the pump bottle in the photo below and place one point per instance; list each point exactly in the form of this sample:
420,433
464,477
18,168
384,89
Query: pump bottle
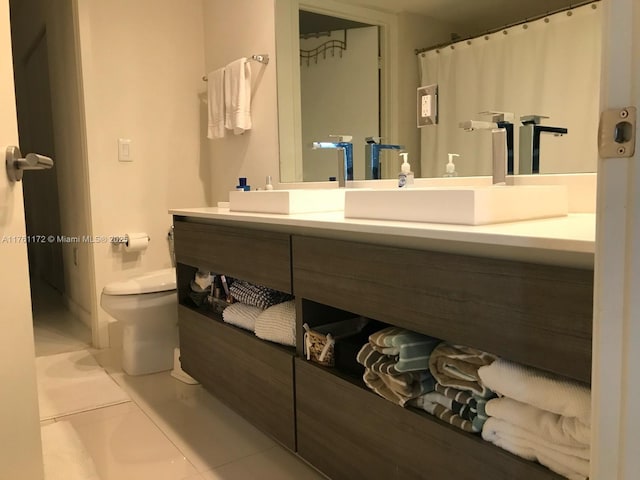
450,169
405,177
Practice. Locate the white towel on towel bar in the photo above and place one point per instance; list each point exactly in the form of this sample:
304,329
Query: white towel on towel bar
237,96
215,94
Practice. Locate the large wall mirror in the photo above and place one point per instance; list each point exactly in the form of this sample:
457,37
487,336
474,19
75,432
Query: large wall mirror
350,67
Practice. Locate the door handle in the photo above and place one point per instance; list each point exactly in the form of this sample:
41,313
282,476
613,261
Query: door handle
16,165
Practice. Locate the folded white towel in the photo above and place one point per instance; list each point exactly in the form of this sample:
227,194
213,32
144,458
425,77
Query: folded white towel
278,324
552,427
560,459
541,389
215,103
241,315
237,96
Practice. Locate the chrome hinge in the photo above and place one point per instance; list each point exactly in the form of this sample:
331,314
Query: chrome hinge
617,133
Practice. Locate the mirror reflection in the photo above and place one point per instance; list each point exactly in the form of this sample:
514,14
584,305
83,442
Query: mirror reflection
538,68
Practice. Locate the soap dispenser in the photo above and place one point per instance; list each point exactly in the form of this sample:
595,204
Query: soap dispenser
450,169
405,177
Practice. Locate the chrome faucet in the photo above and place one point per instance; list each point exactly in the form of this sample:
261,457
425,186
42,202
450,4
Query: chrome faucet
372,149
345,163
501,126
530,131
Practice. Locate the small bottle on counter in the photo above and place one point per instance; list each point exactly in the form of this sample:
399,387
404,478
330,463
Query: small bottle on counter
405,177
242,184
450,169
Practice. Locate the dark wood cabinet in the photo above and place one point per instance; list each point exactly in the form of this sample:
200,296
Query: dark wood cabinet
348,432
253,377
254,255
539,315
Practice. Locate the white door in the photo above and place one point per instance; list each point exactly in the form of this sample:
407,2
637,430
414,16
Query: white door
20,449
616,343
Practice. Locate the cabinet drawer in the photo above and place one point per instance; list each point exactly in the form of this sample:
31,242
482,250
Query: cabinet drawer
257,256
348,432
534,314
251,376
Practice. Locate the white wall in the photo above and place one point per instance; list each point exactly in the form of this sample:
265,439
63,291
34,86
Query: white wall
339,95
68,132
235,29
142,65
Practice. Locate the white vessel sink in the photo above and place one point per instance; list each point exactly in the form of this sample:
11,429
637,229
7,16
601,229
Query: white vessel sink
473,205
287,202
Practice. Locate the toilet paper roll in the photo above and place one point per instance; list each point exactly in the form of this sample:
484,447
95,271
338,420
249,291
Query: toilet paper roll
136,242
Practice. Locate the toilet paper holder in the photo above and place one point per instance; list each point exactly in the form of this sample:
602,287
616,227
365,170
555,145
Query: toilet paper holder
124,239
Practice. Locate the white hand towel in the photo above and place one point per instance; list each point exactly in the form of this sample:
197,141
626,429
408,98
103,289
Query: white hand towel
560,459
215,101
541,389
241,315
551,427
278,324
237,96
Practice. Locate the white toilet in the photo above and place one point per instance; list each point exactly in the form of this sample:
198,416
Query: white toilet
147,307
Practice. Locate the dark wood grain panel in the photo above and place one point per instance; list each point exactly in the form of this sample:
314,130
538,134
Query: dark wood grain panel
257,256
251,376
535,314
348,432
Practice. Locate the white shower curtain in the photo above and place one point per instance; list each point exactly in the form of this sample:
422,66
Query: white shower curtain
549,68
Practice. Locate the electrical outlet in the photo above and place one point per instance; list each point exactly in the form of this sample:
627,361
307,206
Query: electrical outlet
427,105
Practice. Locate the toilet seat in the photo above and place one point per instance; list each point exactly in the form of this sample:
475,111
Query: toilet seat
152,282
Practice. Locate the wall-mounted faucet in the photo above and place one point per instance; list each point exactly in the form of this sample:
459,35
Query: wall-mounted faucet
372,157
501,126
530,142
345,163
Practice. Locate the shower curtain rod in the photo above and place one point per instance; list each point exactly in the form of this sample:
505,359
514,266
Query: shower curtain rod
260,57
418,51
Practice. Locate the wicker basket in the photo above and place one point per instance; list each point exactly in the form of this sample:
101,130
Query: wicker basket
319,342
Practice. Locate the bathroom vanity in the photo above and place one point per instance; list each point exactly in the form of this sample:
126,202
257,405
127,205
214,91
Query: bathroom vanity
523,291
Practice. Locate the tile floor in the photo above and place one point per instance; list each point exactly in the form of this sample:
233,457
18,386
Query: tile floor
170,430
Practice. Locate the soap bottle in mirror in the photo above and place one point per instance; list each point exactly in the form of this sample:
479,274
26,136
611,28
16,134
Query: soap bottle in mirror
405,177
450,169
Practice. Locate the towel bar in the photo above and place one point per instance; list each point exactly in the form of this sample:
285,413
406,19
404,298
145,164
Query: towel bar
259,57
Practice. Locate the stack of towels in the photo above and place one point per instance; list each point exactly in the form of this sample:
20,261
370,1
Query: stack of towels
396,364
459,397
267,312
540,417
229,99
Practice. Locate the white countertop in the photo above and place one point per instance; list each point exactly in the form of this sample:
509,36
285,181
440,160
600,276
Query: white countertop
568,241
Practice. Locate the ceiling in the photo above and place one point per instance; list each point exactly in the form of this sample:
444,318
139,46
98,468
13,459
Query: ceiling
472,17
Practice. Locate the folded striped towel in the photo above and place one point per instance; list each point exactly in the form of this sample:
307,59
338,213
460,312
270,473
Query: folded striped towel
278,324
412,349
381,376
457,366
563,460
257,295
456,407
241,315
543,390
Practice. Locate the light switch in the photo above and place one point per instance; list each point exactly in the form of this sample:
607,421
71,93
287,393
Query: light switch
124,150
